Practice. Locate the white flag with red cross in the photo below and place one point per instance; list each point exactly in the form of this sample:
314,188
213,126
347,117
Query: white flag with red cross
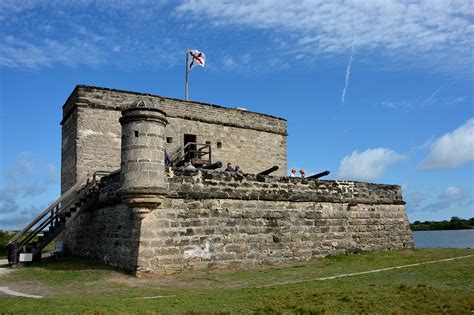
196,58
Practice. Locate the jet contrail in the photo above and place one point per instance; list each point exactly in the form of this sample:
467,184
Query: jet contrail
432,95
348,74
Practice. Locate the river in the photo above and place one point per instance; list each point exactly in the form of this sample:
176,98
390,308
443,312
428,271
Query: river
444,239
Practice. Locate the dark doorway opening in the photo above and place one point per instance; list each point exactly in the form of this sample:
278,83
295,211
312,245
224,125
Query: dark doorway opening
190,149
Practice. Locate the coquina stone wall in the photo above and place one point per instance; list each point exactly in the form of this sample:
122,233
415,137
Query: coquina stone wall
68,152
253,150
213,219
91,132
109,231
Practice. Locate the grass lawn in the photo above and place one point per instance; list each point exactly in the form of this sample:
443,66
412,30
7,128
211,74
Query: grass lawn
73,286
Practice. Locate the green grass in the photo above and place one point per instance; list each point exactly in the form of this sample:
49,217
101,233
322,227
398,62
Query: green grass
88,287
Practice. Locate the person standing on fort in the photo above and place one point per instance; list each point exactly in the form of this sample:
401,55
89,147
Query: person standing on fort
302,174
293,172
229,168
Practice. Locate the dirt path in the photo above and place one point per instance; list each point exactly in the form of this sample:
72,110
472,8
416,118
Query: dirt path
365,272
7,290
4,267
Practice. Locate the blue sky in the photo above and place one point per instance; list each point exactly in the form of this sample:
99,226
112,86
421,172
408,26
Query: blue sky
378,91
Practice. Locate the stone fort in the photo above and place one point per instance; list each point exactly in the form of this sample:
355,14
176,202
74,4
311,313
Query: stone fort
121,204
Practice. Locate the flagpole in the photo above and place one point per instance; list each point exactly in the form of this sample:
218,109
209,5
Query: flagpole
186,93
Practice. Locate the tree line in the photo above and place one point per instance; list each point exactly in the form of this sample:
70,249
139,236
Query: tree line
5,237
455,223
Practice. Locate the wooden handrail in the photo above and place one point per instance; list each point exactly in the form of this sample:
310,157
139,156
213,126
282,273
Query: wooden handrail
47,211
56,215
64,197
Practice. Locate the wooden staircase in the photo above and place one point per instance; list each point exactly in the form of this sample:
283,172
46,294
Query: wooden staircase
49,224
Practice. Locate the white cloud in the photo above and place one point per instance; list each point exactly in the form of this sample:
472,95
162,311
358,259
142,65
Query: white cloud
367,165
452,199
321,27
452,191
52,174
16,52
130,33
26,183
415,200
38,34
395,104
241,61
452,149
24,168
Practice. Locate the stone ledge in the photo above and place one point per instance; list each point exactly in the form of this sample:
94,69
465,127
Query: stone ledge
221,185
207,184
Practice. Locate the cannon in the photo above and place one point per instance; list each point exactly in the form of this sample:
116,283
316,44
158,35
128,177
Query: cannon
212,166
316,176
269,171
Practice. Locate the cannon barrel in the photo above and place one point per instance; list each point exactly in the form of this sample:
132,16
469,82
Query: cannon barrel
316,176
269,171
213,166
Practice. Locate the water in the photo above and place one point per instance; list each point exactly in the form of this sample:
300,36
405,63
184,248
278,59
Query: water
444,239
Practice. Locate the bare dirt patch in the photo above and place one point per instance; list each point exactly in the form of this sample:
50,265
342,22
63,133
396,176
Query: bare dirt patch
4,267
27,288
22,287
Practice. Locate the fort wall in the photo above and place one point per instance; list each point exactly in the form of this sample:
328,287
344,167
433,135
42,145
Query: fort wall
68,152
215,219
253,150
109,231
